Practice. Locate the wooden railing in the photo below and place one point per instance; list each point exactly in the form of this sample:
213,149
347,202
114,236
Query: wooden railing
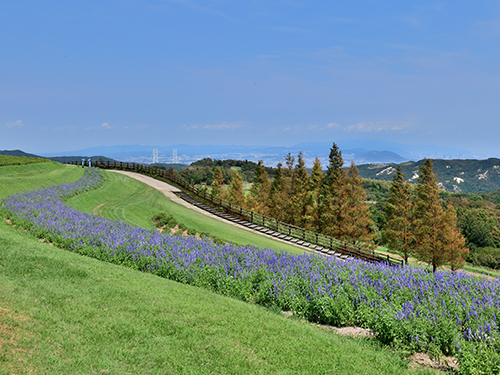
305,237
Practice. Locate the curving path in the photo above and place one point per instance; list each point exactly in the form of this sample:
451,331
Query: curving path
169,191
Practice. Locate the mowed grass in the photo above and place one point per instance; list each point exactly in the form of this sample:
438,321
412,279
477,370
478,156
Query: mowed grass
123,198
61,313
18,178
19,160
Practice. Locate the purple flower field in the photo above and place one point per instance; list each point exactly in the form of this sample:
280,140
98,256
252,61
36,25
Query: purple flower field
405,306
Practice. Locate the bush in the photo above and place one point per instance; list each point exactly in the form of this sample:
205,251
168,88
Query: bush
486,257
479,357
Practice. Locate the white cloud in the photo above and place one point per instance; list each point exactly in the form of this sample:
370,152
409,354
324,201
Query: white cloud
106,125
221,126
15,124
190,127
66,127
379,126
332,125
287,129
224,125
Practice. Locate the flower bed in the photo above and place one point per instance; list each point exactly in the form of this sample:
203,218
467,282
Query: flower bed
439,313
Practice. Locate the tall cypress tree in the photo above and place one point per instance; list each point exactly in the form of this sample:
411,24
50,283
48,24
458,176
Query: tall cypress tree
398,231
278,197
259,192
316,182
430,224
356,224
300,193
218,189
290,216
456,252
333,195
235,194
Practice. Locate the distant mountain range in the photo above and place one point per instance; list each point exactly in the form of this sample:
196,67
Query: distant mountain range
454,175
458,176
359,151
18,153
60,159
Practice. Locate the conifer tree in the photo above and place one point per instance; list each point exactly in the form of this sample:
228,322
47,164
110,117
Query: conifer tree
356,223
278,197
398,231
235,194
316,182
456,252
259,192
218,189
332,196
430,224
290,216
300,193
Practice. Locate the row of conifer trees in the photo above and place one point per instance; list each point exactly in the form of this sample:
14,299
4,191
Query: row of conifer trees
334,203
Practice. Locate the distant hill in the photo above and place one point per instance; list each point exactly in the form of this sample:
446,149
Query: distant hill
457,176
19,153
175,166
60,159
67,159
271,155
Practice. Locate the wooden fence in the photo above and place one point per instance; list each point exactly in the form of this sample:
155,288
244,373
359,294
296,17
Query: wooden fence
306,238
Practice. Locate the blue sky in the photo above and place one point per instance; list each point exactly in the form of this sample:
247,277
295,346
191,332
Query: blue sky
76,74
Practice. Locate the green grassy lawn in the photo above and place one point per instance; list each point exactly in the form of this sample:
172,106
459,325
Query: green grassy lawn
127,199
61,313
18,178
20,160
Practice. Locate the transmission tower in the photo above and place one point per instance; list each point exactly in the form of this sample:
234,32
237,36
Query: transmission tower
175,158
155,156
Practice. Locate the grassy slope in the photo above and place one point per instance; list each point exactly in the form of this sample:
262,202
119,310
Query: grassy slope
19,160
17,178
63,313
135,202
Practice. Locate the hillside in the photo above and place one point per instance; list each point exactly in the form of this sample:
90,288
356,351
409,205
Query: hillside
65,313
457,176
18,153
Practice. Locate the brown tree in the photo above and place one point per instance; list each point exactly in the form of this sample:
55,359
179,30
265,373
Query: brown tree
315,184
429,223
333,196
300,192
454,241
236,194
279,197
218,189
356,222
260,190
398,230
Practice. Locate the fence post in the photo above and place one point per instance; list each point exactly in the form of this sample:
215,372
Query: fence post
251,217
